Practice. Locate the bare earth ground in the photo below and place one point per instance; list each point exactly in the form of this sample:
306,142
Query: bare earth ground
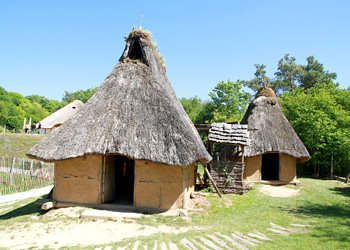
70,233
278,191
60,233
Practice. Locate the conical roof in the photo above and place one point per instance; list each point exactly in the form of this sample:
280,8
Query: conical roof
134,112
269,129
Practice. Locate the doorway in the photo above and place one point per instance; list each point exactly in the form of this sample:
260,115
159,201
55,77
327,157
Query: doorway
270,167
119,180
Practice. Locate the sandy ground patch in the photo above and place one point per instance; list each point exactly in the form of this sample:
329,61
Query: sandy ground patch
58,233
278,191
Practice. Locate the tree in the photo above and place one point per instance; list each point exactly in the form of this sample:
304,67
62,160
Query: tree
33,110
260,78
314,75
193,107
228,102
82,95
287,74
322,123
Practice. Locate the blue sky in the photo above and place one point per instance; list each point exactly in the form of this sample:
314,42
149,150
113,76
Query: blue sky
48,47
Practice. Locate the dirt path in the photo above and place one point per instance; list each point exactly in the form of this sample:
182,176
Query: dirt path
24,195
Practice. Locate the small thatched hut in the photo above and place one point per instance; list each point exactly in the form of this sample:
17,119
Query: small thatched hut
56,119
132,142
274,147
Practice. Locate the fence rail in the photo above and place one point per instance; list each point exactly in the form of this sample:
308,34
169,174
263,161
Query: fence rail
18,175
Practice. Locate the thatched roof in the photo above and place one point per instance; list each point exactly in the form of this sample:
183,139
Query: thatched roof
134,112
269,129
61,115
234,134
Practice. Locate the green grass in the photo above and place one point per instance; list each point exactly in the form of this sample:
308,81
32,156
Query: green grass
17,144
322,204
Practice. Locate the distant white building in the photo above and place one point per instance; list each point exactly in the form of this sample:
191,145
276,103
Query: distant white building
59,117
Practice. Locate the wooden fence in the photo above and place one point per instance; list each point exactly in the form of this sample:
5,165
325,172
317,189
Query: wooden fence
18,175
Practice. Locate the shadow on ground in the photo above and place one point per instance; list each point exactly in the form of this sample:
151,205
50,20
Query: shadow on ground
28,209
331,221
345,191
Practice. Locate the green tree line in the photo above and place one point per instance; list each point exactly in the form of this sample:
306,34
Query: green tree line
14,107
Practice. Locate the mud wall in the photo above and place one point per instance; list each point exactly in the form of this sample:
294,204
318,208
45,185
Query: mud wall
252,169
161,186
79,180
288,168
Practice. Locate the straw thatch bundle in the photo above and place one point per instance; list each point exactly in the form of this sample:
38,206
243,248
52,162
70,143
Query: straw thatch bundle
134,112
270,131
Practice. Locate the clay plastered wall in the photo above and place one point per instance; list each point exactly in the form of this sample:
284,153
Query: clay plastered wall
158,185
288,168
78,180
252,169
191,179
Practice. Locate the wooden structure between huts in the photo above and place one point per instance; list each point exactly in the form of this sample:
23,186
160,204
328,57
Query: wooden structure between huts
228,175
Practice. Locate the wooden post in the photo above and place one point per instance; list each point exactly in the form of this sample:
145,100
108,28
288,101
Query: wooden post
332,166
347,176
11,171
103,180
242,154
31,169
22,170
24,123
184,187
212,181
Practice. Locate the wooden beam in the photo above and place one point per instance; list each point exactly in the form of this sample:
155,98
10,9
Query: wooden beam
212,181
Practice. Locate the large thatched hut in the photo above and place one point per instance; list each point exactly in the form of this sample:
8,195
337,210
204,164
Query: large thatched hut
274,148
132,142
56,119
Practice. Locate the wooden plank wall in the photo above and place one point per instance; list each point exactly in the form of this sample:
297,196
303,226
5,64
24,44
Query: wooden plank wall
228,176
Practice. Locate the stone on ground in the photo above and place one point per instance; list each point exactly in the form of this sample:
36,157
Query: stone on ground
173,246
299,225
219,241
103,214
258,236
283,228
241,239
278,231
233,242
248,238
188,244
136,245
209,243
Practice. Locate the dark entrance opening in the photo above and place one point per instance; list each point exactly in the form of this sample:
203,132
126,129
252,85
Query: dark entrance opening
136,52
270,166
119,180
124,180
